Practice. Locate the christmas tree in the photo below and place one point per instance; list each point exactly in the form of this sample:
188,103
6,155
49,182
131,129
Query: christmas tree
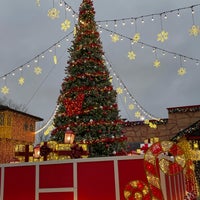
87,103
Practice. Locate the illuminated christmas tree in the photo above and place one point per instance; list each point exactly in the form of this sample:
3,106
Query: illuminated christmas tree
87,103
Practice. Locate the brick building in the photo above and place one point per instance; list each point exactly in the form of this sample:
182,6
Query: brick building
16,127
179,118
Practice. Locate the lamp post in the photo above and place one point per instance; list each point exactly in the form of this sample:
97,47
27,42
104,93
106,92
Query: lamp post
69,136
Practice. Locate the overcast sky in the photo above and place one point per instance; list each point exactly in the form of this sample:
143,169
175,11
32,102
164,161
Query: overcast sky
26,31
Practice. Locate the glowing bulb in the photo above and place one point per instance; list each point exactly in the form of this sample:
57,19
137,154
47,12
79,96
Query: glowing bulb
132,21
192,11
152,19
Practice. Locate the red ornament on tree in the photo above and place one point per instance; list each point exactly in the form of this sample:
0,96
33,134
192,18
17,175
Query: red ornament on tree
74,106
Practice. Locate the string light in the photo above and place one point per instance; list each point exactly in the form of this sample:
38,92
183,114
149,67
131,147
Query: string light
121,83
178,13
132,21
164,51
165,13
36,58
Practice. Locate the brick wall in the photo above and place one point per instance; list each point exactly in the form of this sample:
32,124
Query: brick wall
178,119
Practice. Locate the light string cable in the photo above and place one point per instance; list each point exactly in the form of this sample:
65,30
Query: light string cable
37,89
131,96
112,71
132,19
48,122
35,57
43,81
151,46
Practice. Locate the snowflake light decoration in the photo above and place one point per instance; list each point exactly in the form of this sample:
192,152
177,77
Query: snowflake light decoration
156,63
162,36
131,55
194,31
65,25
137,114
21,81
5,90
136,38
131,106
115,38
119,90
53,13
37,70
181,71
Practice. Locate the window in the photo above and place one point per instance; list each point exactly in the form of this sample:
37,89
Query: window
9,120
2,119
26,127
31,127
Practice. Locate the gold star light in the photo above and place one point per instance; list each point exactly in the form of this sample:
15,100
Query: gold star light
181,71
21,81
194,31
162,36
5,90
37,70
131,106
115,38
53,13
136,38
119,90
131,55
65,25
156,63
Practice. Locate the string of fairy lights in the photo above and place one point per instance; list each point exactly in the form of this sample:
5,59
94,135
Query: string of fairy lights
108,25
115,36
141,113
